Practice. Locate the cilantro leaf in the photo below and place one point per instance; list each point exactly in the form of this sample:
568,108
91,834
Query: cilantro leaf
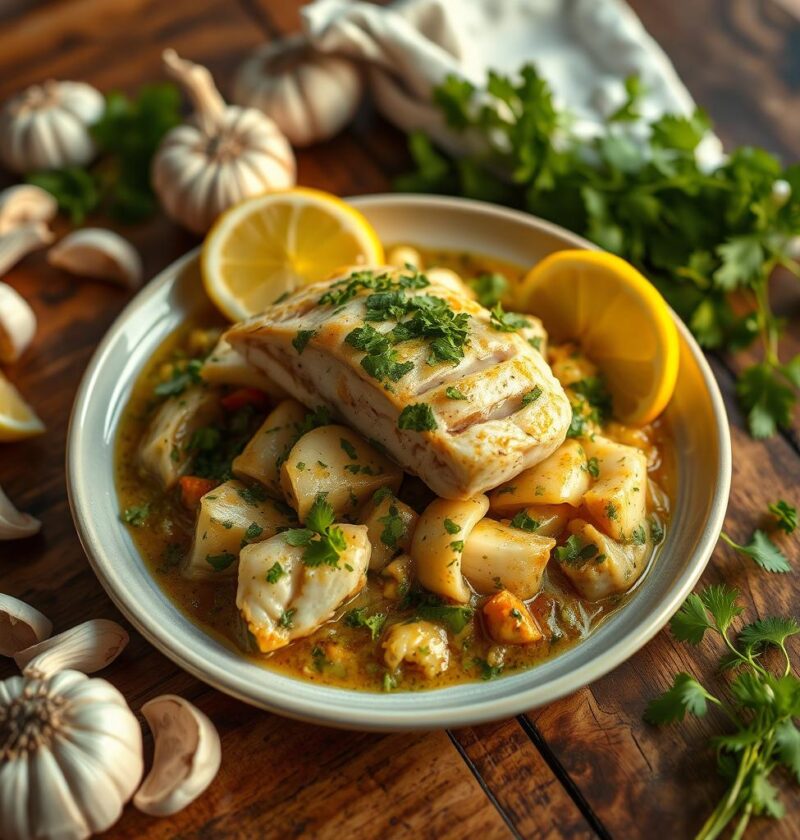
685,695
453,393
785,515
489,288
765,553
300,341
691,621
456,618
358,618
772,630
417,417
506,321
787,738
766,399
722,602
275,572
525,522
220,562
321,516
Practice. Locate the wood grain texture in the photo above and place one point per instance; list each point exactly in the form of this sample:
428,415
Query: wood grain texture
585,766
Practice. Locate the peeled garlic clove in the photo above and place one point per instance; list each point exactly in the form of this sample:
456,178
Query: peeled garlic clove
20,625
13,524
86,648
25,203
187,756
20,241
17,324
98,253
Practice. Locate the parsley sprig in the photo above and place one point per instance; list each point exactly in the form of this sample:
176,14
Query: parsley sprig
323,541
760,705
701,237
761,548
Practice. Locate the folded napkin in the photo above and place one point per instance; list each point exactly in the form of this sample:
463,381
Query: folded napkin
584,48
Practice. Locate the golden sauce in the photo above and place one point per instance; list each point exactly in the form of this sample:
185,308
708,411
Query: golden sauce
338,654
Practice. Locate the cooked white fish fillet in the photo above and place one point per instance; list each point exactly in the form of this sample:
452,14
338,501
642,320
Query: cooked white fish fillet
282,599
464,402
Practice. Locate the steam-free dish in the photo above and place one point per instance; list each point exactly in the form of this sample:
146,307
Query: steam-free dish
400,479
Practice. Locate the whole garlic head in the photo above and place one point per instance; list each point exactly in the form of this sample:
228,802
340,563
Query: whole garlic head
222,155
310,95
47,126
70,756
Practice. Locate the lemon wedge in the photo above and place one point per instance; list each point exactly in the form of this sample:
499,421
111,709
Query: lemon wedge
17,419
621,322
272,244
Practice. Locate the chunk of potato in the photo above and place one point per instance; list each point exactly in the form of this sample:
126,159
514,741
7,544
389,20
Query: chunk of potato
261,459
390,526
508,621
230,517
616,501
397,577
164,450
612,568
338,462
438,543
421,644
498,556
562,478
403,255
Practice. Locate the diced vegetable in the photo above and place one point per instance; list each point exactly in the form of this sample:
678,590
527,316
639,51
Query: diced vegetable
244,396
193,488
508,621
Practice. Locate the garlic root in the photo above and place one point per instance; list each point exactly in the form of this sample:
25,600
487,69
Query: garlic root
100,254
25,203
21,625
13,524
86,648
17,324
20,241
186,759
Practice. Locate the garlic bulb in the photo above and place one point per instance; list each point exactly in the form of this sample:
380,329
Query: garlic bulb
47,126
70,756
17,324
88,647
186,759
222,155
20,241
310,95
25,203
13,524
98,253
20,625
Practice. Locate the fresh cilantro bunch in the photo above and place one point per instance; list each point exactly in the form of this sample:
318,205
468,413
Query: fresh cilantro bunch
127,136
323,541
760,705
708,240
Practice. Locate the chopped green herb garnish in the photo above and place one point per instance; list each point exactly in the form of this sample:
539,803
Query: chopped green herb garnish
182,377
457,545
359,618
322,540
220,562
456,618
300,341
532,395
394,528
489,288
136,515
417,417
349,449
275,572
450,526
639,535
287,618
574,552
593,467
525,522
453,393
507,321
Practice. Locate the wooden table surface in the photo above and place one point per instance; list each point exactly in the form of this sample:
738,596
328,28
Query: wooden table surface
584,766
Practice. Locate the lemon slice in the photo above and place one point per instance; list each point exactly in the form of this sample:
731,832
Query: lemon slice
274,243
619,319
17,419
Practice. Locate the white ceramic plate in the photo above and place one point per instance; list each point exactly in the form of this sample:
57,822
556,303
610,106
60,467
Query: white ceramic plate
696,414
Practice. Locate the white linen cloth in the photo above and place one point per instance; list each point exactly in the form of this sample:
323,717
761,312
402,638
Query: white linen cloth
585,49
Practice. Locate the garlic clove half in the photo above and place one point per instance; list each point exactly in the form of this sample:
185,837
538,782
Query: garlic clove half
13,524
186,759
24,203
71,756
17,324
21,625
17,243
100,254
87,648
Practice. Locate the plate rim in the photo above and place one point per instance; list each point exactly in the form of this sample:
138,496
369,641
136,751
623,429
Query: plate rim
464,713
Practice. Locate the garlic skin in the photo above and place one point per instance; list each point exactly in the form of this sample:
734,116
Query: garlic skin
87,648
25,203
21,625
310,95
13,524
47,126
221,156
186,759
21,241
17,324
100,254
70,756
